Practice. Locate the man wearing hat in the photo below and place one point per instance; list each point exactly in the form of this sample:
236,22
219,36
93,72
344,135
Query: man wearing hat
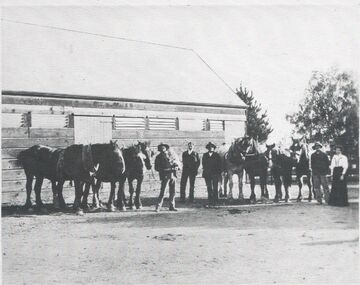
167,172
191,163
319,165
211,162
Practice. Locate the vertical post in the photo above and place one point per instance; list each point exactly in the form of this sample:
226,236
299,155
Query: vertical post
177,125
70,120
113,122
207,125
147,123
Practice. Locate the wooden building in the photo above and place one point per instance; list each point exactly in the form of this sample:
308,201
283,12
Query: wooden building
61,88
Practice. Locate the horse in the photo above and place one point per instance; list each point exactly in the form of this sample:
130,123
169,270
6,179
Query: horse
40,162
281,165
256,164
300,149
233,163
81,163
137,159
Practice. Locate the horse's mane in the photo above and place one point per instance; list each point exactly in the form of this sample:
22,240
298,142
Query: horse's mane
304,151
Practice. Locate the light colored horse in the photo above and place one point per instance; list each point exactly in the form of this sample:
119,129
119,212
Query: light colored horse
233,157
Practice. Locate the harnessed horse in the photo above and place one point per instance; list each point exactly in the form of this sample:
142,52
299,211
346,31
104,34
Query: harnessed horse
300,150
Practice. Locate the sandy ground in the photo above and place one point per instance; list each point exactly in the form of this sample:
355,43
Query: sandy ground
273,243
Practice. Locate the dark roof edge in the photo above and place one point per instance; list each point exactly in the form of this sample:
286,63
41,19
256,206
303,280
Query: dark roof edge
104,98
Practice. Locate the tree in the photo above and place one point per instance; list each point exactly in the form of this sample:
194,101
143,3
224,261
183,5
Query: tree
258,125
329,111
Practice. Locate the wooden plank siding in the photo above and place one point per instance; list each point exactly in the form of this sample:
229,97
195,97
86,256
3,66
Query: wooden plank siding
130,120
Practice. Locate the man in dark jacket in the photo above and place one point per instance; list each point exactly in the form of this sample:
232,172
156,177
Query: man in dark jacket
191,163
319,165
167,172
211,162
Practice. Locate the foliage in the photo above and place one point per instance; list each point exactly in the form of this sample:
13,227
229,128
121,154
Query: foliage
329,111
258,125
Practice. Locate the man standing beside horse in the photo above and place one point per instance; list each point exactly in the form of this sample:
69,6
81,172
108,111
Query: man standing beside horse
320,168
166,163
211,162
191,163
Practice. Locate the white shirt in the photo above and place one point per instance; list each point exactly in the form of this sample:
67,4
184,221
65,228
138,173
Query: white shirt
339,160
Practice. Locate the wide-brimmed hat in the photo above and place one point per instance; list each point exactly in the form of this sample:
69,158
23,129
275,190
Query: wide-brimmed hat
163,144
210,144
339,146
317,144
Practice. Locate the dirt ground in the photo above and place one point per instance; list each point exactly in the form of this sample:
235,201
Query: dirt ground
263,243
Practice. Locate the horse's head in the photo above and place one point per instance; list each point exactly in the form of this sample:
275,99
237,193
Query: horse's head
115,156
270,153
147,152
299,148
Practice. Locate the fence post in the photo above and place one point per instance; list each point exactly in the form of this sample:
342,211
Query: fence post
70,120
113,122
147,123
177,126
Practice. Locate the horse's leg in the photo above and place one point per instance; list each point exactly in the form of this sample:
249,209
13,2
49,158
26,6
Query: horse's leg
287,184
226,181
121,195
277,182
221,180
96,189
56,202
84,203
78,194
300,184
310,188
29,181
231,183
59,189
252,186
131,192
264,194
37,188
240,185
110,205
138,204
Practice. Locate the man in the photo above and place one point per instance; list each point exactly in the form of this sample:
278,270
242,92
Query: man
166,166
211,162
319,165
191,163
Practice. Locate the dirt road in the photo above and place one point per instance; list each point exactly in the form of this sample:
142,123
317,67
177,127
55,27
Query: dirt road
274,243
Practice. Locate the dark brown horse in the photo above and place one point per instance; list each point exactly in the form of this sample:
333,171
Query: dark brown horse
40,162
137,160
256,164
300,149
281,165
81,163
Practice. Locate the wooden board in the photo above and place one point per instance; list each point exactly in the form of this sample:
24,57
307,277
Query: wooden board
25,143
163,134
12,153
10,164
51,133
14,133
13,175
114,103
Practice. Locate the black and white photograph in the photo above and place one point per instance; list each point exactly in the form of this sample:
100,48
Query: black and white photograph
180,142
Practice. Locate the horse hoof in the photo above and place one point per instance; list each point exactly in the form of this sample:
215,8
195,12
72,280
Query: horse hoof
309,199
123,209
79,212
111,208
276,200
138,207
43,211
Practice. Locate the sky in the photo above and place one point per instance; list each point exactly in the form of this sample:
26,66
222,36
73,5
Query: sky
270,49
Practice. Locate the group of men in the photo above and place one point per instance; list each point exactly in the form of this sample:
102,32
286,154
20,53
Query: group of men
167,165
